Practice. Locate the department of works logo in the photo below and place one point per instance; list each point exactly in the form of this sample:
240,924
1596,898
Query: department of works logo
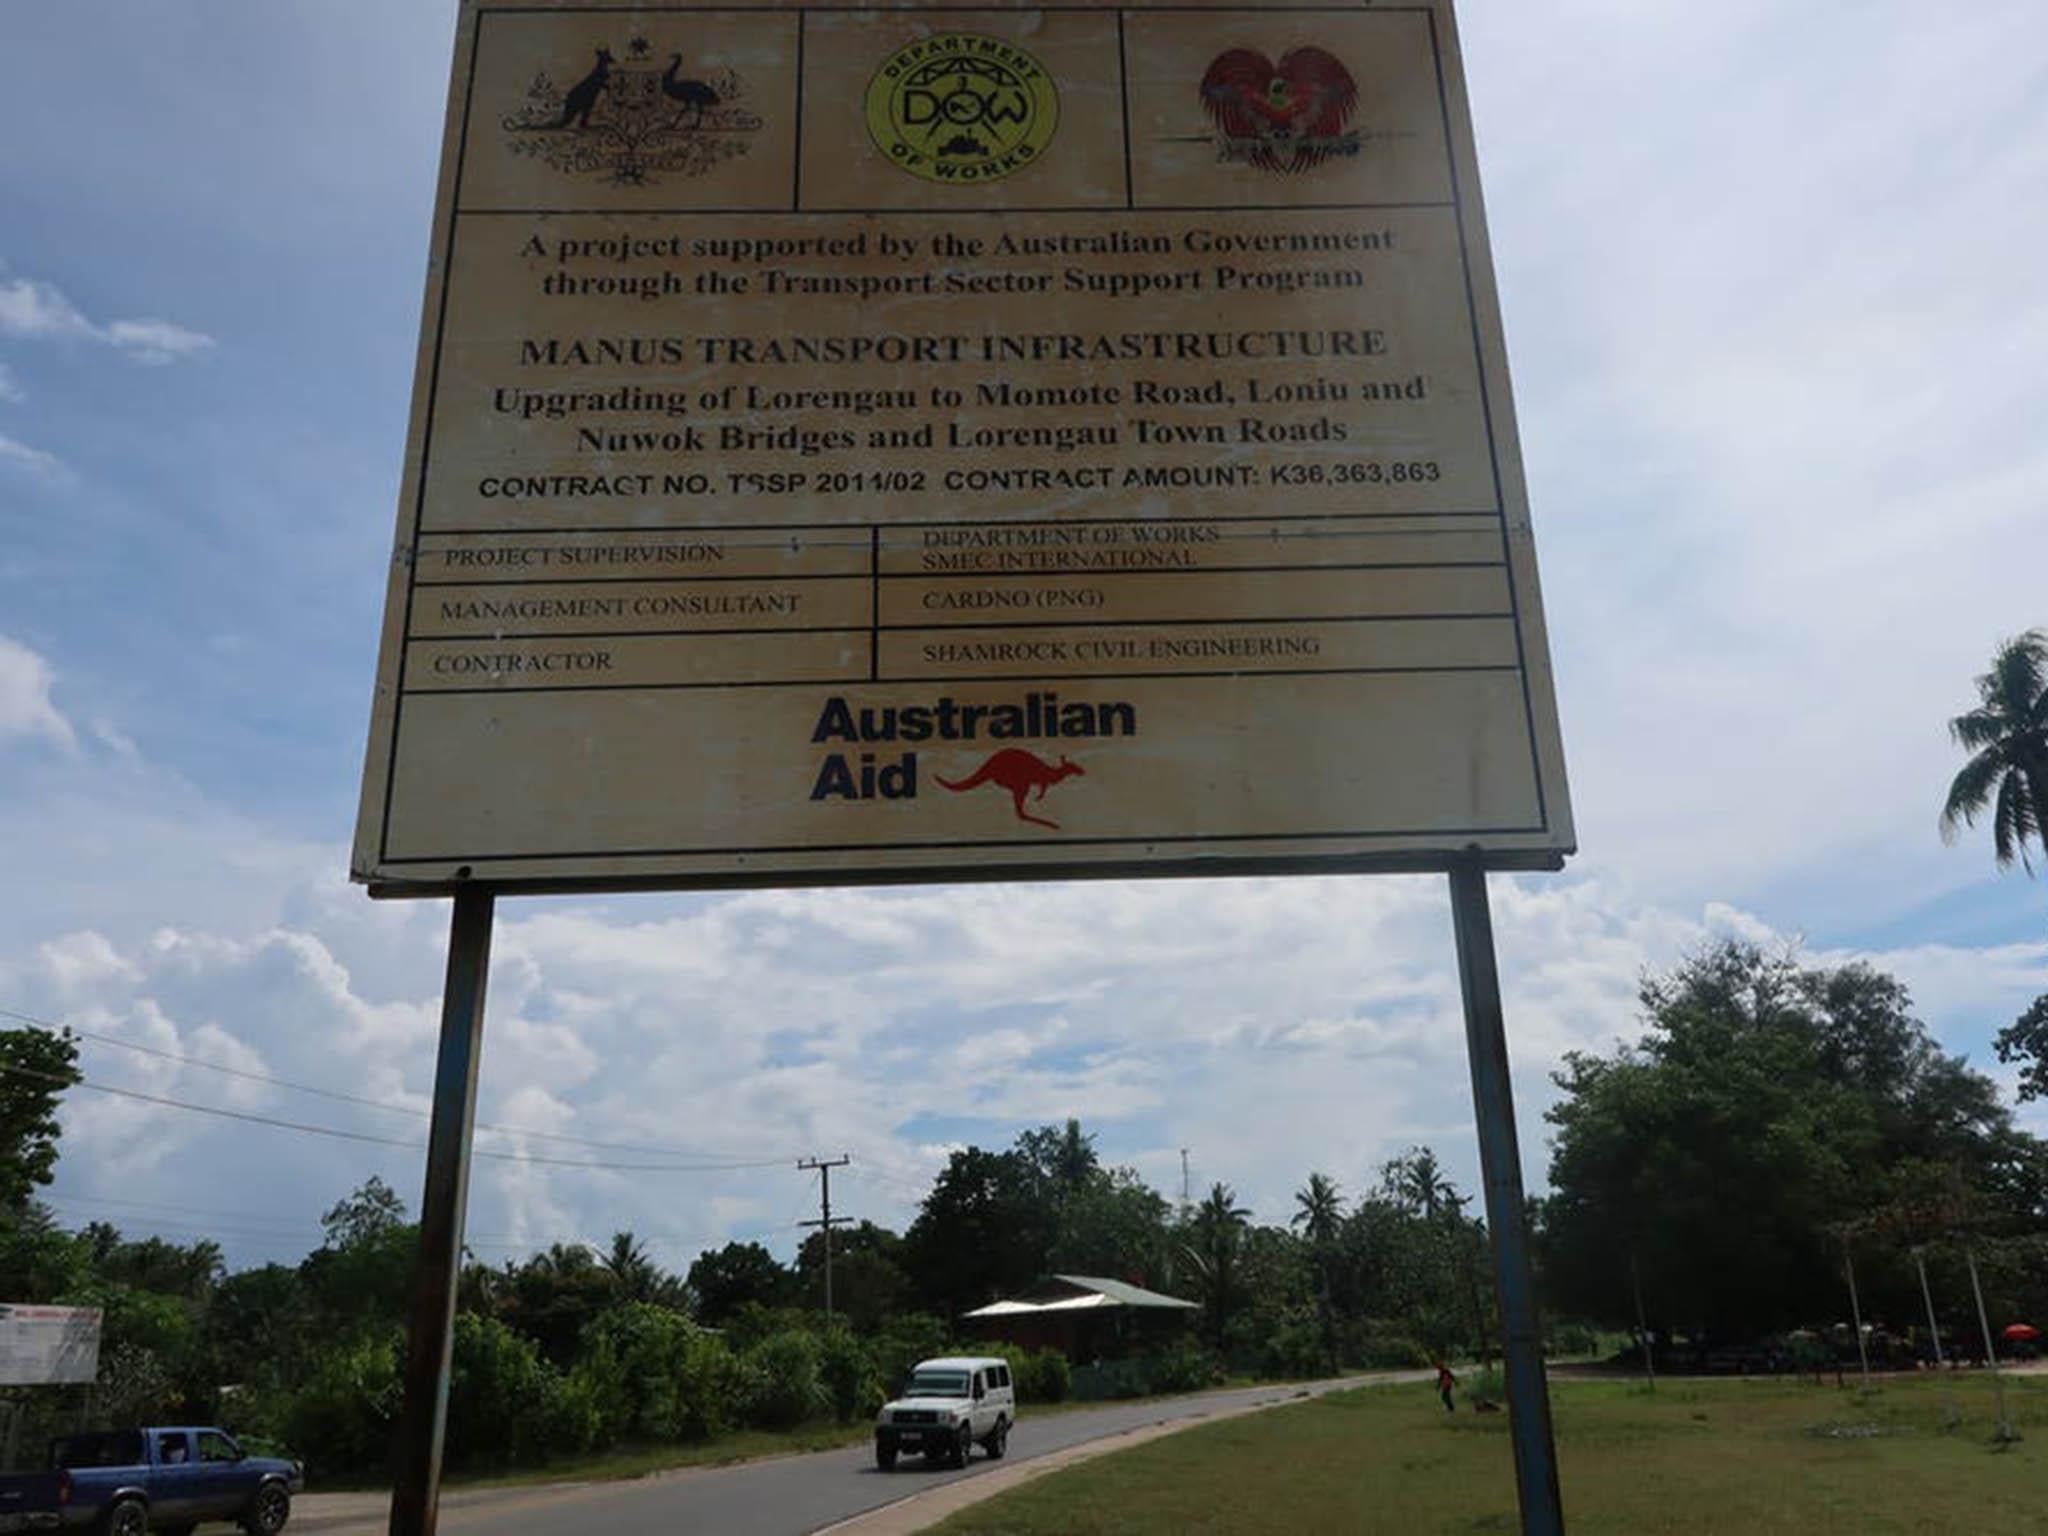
960,107
1287,117
632,120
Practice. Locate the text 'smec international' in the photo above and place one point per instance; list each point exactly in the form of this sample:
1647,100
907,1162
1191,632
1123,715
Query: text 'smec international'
944,442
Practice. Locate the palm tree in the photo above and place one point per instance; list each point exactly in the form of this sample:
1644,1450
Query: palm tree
1319,1208
635,1274
1218,1226
1319,1212
2007,737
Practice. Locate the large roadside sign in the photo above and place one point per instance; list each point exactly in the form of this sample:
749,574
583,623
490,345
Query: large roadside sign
958,442
48,1346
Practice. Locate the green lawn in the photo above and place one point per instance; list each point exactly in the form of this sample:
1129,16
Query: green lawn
1736,1457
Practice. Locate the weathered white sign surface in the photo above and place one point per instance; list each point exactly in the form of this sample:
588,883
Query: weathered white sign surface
958,443
48,1346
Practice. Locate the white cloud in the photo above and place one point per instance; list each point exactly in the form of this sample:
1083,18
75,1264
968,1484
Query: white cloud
26,708
38,311
156,341
1272,1026
34,462
11,392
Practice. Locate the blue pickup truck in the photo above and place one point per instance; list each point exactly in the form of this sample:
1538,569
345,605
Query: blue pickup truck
160,1481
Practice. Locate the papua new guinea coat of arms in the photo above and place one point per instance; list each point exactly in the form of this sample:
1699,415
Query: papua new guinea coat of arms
633,120
1287,117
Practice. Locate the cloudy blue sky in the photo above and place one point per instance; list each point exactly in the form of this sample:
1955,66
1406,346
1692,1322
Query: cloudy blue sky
1772,283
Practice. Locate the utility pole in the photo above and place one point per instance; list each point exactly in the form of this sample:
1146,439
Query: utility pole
825,1220
1183,1181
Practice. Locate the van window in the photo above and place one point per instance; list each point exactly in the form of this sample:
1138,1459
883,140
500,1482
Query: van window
1002,1375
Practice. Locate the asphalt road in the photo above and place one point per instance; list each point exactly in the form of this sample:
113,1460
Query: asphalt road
790,1495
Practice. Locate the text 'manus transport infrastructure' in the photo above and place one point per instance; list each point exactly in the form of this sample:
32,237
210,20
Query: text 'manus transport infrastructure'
950,442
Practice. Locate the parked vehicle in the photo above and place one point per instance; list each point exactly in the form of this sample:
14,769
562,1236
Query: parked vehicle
159,1481
949,1406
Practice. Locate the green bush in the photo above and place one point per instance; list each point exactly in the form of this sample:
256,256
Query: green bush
1486,1386
648,1373
783,1385
908,1339
1181,1366
848,1370
1573,1339
1046,1378
1379,1348
504,1401
342,1417
1296,1347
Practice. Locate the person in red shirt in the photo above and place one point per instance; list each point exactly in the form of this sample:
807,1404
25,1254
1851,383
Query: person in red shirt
1444,1382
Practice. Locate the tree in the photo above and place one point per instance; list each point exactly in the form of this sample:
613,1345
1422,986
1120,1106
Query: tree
1215,1242
635,1275
2007,737
727,1279
2025,1042
1064,1157
867,1274
985,1230
363,1272
1763,1103
36,1066
1319,1213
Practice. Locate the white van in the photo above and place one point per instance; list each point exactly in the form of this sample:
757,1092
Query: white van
948,1407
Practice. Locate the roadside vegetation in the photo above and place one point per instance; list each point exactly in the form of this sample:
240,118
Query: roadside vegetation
1759,1457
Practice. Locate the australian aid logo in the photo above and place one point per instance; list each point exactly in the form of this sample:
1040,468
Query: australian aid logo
892,751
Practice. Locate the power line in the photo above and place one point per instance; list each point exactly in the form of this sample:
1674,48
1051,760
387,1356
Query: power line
383,1141
285,1229
351,1098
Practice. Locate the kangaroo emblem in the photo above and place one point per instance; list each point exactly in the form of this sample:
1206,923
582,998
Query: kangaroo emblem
1019,772
584,93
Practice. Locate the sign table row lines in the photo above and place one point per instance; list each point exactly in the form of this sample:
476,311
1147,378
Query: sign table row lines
1480,642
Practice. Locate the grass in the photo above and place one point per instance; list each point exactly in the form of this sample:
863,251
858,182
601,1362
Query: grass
1694,1457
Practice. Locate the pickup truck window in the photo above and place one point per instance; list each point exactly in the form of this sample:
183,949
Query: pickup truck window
116,1448
171,1450
215,1446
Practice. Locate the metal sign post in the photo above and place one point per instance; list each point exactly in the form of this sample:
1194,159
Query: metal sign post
1500,1161
423,1422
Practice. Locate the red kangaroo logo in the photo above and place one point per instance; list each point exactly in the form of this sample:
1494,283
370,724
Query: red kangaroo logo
1019,772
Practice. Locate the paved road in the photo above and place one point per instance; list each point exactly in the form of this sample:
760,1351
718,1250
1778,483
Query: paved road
786,1496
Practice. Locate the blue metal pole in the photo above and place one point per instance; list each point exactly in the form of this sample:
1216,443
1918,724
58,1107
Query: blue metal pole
423,1422
1500,1162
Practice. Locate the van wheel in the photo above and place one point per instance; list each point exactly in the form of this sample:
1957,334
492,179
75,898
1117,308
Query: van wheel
128,1518
885,1457
964,1446
998,1440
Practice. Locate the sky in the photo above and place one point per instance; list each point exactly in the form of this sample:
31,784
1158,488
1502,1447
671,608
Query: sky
1772,289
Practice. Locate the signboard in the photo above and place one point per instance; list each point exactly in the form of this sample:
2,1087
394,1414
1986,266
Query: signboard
48,1346
953,442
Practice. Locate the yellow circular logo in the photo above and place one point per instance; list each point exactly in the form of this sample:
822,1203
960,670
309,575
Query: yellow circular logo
960,107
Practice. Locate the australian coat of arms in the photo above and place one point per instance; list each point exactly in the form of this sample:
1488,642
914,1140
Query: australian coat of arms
635,121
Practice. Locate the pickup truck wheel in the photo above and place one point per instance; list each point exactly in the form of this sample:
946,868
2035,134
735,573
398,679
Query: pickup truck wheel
885,1457
128,1518
267,1515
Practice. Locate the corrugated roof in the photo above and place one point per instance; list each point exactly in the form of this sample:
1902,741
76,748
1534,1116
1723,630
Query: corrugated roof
1128,1295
